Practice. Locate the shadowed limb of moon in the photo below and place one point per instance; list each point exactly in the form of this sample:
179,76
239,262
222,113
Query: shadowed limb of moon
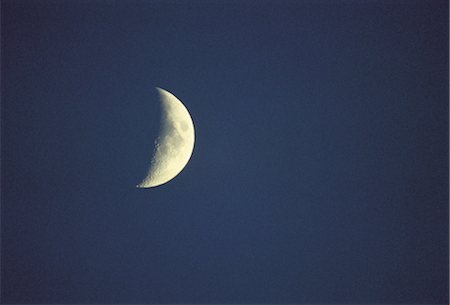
175,142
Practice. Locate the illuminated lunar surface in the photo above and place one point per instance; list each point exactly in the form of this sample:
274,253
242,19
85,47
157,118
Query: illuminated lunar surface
175,142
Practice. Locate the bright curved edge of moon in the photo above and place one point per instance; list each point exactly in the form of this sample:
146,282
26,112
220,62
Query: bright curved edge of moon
174,144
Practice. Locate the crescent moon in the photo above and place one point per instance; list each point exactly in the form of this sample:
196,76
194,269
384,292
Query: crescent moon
175,143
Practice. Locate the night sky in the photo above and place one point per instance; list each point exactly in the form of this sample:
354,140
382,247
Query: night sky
320,168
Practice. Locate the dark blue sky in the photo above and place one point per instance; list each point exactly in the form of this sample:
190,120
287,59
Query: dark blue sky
319,174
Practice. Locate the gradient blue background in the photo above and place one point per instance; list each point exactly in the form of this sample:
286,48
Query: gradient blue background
319,175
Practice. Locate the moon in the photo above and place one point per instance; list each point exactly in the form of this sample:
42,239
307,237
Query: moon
174,144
